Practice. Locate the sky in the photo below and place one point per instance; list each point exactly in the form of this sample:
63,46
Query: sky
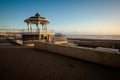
85,17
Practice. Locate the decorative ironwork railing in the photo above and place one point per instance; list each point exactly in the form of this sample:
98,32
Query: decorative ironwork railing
24,31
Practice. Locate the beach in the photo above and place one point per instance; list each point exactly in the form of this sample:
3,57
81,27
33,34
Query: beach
107,43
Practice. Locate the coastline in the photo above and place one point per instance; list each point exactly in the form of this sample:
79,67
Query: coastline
101,37
107,43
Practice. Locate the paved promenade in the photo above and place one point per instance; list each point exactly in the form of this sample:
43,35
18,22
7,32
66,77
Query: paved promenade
24,63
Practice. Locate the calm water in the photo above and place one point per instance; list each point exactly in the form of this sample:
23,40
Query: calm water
109,37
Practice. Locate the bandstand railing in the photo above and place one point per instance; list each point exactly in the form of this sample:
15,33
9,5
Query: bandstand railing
23,31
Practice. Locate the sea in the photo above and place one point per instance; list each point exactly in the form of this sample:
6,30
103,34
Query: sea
104,37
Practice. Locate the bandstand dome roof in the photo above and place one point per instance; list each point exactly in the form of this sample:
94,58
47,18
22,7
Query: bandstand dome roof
36,19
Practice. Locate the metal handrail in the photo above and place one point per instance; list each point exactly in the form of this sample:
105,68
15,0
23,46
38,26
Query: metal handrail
22,31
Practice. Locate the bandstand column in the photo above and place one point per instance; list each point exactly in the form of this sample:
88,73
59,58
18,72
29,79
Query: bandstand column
37,28
42,27
45,26
30,27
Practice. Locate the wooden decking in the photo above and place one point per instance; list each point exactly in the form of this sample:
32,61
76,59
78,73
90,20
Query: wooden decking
24,63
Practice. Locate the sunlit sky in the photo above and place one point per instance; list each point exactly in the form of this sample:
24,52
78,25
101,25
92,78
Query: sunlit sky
91,17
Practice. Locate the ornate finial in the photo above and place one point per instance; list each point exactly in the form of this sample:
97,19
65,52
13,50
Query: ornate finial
37,14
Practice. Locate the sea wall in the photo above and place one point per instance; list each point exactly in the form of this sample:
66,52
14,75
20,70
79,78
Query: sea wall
22,43
19,42
111,59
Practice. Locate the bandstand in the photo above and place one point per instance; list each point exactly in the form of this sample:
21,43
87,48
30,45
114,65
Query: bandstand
41,32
